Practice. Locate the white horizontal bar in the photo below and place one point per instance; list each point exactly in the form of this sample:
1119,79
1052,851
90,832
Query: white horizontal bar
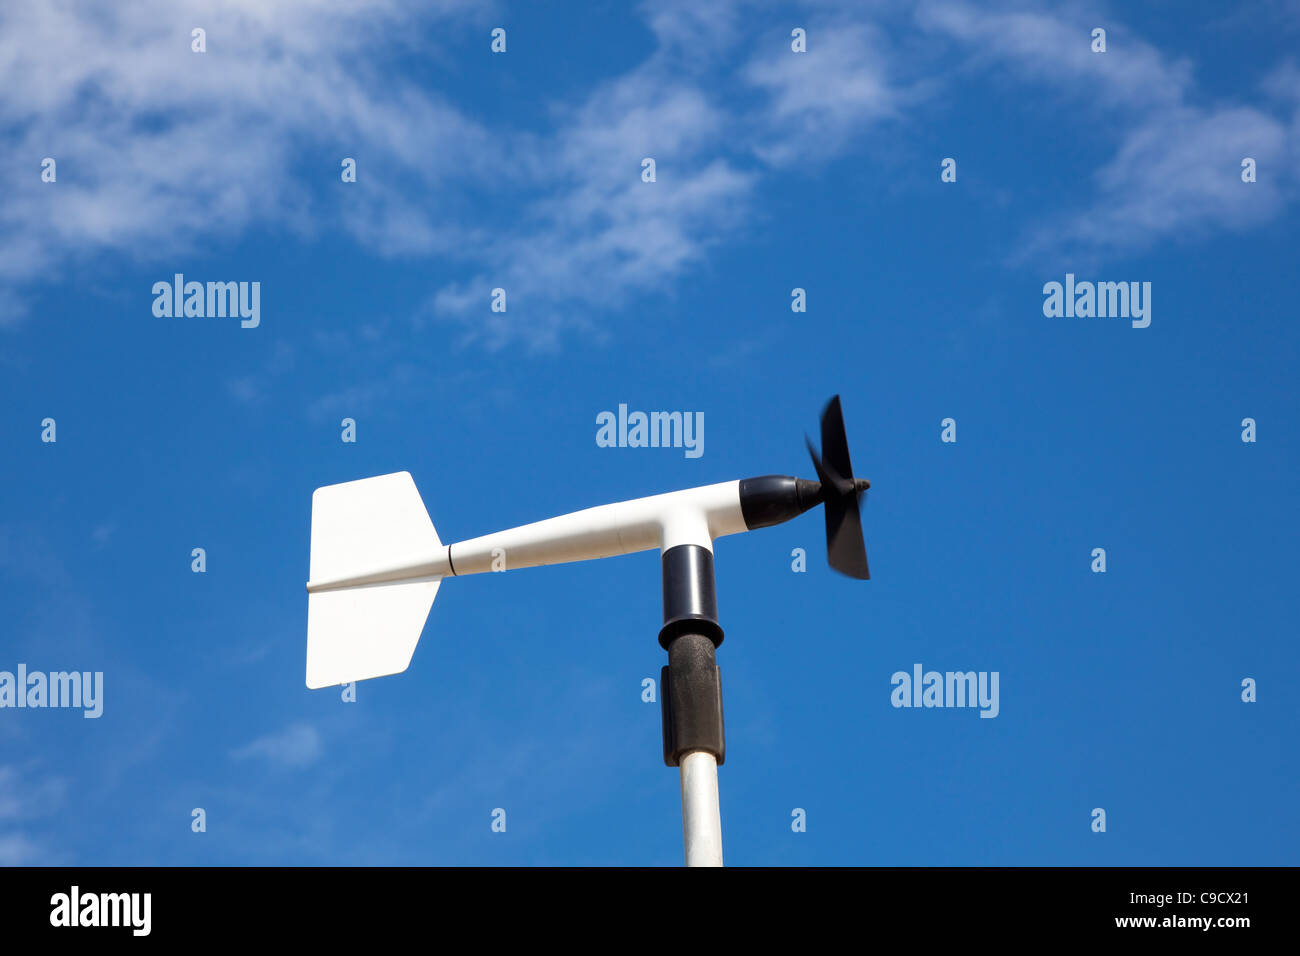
692,516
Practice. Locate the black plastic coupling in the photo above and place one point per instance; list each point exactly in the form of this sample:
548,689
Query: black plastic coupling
691,700
691,685
690,599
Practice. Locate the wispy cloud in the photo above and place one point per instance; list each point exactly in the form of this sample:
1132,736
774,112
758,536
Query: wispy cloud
298,745
818,101
24,797
1178,173
162,150
1052,45
1177,169
607,233
18,850
159,147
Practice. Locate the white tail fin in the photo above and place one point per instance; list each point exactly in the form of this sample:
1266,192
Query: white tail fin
359,627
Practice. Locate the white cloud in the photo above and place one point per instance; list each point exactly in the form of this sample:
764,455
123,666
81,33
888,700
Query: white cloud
1055,48
1179,173
298,745
1283,82
606,234
818,100
27,797
1177,169
16,849
24,797
163,151
244,389
160,149
103,533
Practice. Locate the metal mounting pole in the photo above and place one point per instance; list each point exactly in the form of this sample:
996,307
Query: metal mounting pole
701,818
691,697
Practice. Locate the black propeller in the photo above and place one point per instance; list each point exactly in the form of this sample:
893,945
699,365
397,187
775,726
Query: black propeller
840,492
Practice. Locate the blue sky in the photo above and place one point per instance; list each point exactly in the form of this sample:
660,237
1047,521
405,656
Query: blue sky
775,170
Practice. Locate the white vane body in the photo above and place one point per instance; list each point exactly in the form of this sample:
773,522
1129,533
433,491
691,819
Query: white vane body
376,561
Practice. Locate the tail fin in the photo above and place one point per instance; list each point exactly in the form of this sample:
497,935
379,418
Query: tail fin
363,630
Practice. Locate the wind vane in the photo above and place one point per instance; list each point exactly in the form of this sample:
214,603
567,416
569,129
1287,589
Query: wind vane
376,564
